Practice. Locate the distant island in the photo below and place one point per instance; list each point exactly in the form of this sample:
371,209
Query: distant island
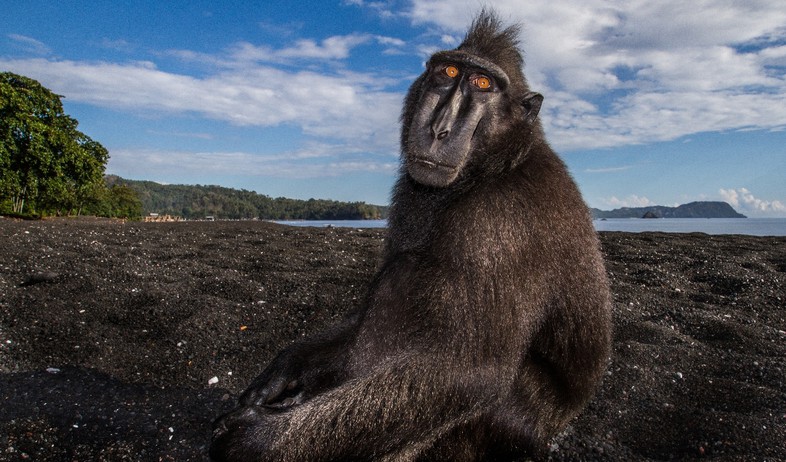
705,209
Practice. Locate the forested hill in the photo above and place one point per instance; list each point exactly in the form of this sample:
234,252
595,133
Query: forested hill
198,202
690,210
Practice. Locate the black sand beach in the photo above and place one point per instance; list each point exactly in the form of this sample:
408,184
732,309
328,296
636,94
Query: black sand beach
122,341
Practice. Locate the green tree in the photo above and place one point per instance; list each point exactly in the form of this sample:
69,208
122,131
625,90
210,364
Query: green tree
116,201
126,202
46,164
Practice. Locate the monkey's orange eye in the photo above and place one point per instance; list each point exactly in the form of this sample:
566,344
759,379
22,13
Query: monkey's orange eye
482,82
451,71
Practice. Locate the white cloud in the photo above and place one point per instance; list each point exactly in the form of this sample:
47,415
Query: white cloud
340,105
246,85
745,202
243,53
120,45
450,40
194,135
384,8
313,161
609,169
335,47
613,74
635,72
30,44
630,201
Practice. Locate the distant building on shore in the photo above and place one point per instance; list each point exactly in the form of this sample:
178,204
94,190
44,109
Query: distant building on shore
156,218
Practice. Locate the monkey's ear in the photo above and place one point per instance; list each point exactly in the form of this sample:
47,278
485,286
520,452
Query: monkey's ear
532,101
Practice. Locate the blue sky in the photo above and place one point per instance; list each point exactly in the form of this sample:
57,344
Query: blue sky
649,103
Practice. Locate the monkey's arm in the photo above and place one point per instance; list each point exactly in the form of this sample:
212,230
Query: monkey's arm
396,411
304,368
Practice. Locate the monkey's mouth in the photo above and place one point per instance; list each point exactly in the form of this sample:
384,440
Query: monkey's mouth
430,172
430,164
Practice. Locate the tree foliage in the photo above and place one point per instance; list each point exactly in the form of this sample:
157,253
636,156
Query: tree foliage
197,202
117,201
47,166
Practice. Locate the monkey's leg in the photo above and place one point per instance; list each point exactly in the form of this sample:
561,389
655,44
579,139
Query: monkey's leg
401,407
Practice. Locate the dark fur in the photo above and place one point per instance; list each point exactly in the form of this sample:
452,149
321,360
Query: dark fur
487,327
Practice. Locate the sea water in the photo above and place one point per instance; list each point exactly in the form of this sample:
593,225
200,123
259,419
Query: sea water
335,223
747,226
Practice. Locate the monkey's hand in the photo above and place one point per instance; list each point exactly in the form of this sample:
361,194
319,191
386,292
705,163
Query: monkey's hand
278,389
278,393
246,432
280,385
238,435
303,370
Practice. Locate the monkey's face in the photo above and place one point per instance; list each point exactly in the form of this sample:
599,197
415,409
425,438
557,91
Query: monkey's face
461,103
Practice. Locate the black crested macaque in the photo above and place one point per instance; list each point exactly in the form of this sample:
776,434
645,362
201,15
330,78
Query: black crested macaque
487,326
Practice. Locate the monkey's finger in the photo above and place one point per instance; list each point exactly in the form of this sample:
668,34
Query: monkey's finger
260,393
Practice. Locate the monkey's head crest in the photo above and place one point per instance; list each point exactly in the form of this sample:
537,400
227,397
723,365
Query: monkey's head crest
486,38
